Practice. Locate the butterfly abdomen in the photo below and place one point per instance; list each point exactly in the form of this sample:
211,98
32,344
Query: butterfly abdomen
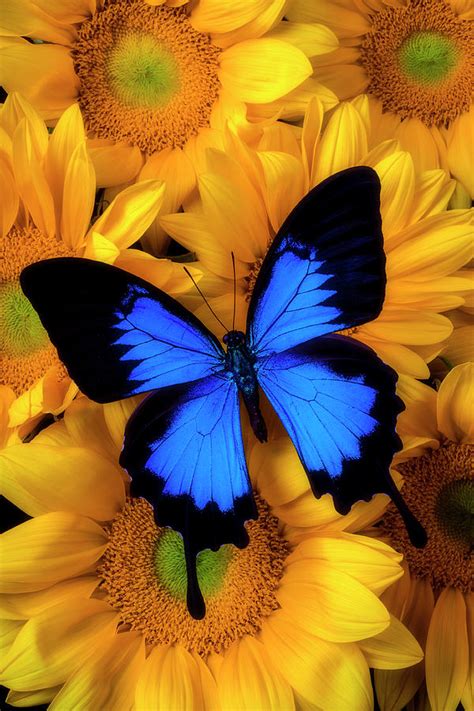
240,363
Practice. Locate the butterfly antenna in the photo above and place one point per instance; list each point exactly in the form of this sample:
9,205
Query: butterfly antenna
204,298
235,290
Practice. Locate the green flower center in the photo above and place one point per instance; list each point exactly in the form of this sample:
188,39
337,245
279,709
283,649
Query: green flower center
170,566
141,72
455,510
21,331
428,57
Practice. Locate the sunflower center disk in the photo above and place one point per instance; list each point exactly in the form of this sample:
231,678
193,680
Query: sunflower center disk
25,350
21,331
455,511
170,566
428,57
142,73
144,575
420,61
446,510
146,75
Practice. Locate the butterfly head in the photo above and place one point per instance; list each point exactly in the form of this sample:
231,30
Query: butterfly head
234,339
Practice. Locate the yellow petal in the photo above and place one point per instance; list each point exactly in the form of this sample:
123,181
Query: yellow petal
436,251
67,136
223,192
14,110
173,167
467,698
460,135
39,478
22,606
25,18
447,651
400,358
293,105
343,143
422,143
130,213
214,16
116,415
78,197
455,398
345,80
58,391
344,22
372,564
311,38
47,549
114,164
31,181
279,475
262,70
99,247
331,676
28,405
52,645
247,679
329,603
393,648
192,231
171,678
108,678
31,698
68,11
42,73
396,687
420,401
433,192
312,124
409,327
10,199
460,347
9,630
257,27
397,177
284,181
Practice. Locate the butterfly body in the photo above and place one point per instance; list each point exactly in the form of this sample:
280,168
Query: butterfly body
240,363
183,447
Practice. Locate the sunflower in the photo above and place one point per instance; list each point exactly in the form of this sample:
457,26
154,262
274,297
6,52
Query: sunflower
155,82
49,193
435,597
415,60
94,593
425,244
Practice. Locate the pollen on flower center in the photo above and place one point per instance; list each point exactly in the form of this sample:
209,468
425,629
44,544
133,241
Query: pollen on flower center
420,61
142,72
144,576
21,331
26,352
446,510
147,76
170,566
428,57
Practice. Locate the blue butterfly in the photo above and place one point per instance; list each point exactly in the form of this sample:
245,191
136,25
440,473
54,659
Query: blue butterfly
119,336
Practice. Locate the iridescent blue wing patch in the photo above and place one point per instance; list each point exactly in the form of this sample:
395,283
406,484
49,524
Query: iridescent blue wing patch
337,402
117,334
325,270
183,448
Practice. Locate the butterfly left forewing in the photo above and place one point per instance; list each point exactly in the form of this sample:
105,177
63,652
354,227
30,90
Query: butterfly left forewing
183,449
117,334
